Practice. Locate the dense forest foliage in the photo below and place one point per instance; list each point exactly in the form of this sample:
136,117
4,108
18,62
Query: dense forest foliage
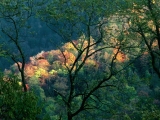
80,60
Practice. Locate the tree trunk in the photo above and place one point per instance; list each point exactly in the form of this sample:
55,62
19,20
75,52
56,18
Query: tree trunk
69,114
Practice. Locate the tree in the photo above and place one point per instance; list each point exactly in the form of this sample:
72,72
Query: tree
145,22
14,16
87,21
14,103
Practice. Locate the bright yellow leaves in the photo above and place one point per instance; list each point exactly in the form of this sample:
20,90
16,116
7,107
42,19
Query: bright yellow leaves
153,1
69,47
41,73
53,72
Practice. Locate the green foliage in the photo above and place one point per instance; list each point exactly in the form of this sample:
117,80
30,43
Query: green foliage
50,58
128,95
54,108
52,72
16,104
34,84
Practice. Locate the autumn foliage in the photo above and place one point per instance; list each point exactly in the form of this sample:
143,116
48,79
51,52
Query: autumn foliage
50,64
121,57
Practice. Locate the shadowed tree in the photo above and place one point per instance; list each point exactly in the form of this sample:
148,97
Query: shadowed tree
13,18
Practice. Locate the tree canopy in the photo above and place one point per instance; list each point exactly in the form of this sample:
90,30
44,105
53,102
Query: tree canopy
100,59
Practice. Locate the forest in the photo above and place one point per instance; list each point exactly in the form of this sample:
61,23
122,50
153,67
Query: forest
79,60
